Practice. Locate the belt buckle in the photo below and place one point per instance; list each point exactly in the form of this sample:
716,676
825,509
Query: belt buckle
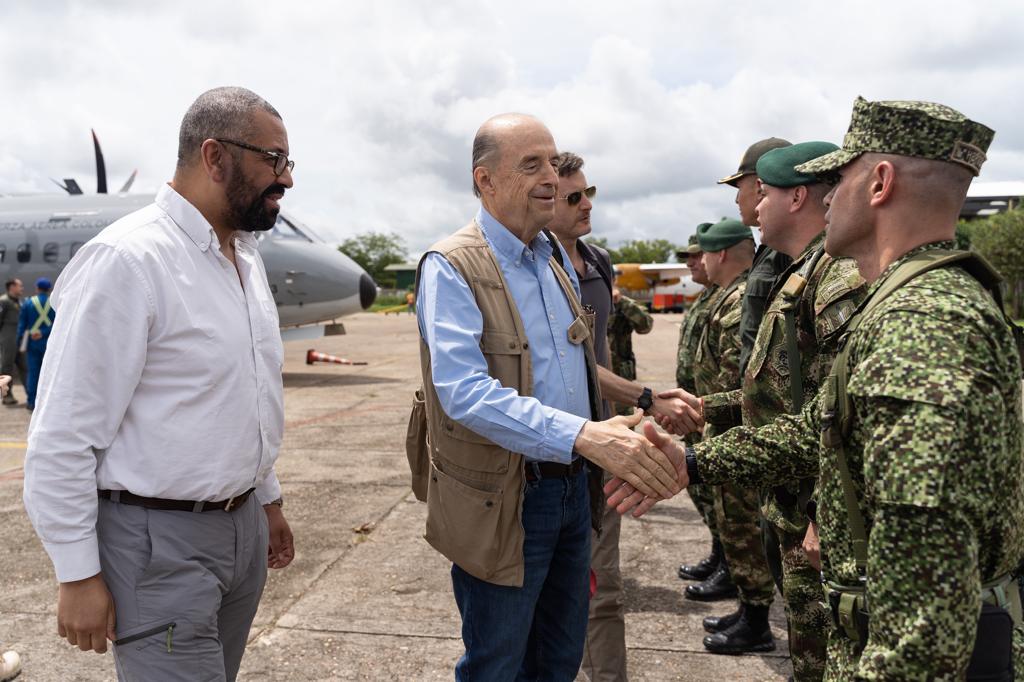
230,503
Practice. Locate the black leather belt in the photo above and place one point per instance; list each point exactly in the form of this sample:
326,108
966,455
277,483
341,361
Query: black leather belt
538,470
125,497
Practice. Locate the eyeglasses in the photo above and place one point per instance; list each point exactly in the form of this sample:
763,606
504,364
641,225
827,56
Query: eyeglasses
281,161
574,198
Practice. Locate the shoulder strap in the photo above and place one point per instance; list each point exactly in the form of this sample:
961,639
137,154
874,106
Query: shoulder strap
837,409
792,292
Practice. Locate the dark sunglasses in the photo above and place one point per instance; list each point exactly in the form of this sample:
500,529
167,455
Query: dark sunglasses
281,161
574,198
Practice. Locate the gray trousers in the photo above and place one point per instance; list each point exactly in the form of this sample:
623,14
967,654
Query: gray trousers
185,587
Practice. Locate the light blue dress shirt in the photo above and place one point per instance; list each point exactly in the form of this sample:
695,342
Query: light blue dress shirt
543,426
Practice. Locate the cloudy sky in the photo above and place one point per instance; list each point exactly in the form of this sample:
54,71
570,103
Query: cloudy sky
381,99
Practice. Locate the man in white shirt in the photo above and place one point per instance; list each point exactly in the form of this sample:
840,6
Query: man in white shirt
138,484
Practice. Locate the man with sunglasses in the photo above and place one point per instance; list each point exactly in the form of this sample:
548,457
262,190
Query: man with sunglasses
158,503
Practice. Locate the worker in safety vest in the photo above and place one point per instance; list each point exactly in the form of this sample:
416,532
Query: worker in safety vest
34,325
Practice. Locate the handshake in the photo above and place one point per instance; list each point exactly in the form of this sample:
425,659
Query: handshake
646,468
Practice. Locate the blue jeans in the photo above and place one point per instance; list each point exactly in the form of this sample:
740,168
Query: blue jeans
537,631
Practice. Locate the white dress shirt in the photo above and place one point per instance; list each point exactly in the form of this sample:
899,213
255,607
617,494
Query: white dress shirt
162,377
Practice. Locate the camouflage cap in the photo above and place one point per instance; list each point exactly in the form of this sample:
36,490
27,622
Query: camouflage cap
692,245
777,167
722,235
748,164
922,129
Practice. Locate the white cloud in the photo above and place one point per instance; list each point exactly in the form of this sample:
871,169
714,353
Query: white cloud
381,99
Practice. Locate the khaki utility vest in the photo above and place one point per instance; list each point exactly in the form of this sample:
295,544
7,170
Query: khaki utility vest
473,487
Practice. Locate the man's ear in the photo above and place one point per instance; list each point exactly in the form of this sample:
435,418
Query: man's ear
215,160
798,198
484,181
881,183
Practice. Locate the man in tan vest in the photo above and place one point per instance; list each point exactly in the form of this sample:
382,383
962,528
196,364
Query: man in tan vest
513,456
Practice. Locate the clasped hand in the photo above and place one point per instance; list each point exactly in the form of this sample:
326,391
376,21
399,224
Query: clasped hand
624,496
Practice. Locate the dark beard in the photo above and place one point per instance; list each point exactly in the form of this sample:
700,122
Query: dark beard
250,215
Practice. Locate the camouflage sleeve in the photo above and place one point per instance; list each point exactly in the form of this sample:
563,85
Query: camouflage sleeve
784,450
914,392
720,408
729,345
924,594
641,320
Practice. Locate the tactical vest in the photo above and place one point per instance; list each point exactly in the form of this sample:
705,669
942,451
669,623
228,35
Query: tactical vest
849,603
472,486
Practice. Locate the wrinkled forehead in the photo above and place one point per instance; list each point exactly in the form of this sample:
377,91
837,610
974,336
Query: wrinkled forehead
526,141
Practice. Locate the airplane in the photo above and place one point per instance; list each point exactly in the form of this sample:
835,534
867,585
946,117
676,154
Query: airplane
663,287
312,282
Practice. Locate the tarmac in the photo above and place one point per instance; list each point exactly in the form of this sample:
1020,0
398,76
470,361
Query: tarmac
366,598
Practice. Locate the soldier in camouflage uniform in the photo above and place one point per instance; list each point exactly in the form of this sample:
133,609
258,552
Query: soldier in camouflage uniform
728,248
627,317
689,336
819,293
917,433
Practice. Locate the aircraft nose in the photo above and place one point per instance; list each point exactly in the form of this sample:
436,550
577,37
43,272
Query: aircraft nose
367,291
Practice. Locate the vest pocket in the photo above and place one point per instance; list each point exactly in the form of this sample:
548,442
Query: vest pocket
416,446
503,352
462,522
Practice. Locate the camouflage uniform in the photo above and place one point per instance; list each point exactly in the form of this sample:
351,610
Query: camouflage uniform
627,317
689,338
828,300
736,506
935,454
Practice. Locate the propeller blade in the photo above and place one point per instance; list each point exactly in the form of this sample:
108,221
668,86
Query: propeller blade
69,185
128,183
101,168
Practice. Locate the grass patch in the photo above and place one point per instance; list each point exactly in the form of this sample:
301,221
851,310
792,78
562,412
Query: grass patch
387,302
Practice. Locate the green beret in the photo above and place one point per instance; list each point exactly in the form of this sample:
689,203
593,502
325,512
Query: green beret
922,129
776,168
754,152
722,235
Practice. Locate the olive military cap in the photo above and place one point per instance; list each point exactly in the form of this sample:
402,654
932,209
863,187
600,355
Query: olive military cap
692,246
922,129
749,161
777,167
722,235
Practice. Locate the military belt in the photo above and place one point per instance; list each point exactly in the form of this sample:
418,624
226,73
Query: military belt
848,605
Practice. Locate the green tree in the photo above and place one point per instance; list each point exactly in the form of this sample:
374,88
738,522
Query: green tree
1000,239
374,251
644,251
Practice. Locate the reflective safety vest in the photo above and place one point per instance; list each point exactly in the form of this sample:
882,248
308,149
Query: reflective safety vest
44,314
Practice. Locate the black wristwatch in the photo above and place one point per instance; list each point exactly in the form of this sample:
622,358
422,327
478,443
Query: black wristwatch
645,400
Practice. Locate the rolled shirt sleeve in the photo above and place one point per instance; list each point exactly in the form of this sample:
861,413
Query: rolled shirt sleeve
452,325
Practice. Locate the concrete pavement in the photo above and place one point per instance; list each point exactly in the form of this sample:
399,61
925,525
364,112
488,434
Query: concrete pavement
367,598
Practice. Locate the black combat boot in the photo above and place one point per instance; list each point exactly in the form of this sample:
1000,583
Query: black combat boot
719,623
703,569
718,586
749,633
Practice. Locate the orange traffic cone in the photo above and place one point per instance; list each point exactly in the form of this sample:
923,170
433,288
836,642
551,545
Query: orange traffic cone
312,356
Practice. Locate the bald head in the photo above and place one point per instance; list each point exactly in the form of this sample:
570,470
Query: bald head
514,173
496,133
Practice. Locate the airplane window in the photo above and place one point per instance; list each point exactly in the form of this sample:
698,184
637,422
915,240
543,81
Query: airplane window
50,252
75,247
24,253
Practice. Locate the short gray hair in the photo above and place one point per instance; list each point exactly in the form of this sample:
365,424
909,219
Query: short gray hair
568,163
225,112
485,152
